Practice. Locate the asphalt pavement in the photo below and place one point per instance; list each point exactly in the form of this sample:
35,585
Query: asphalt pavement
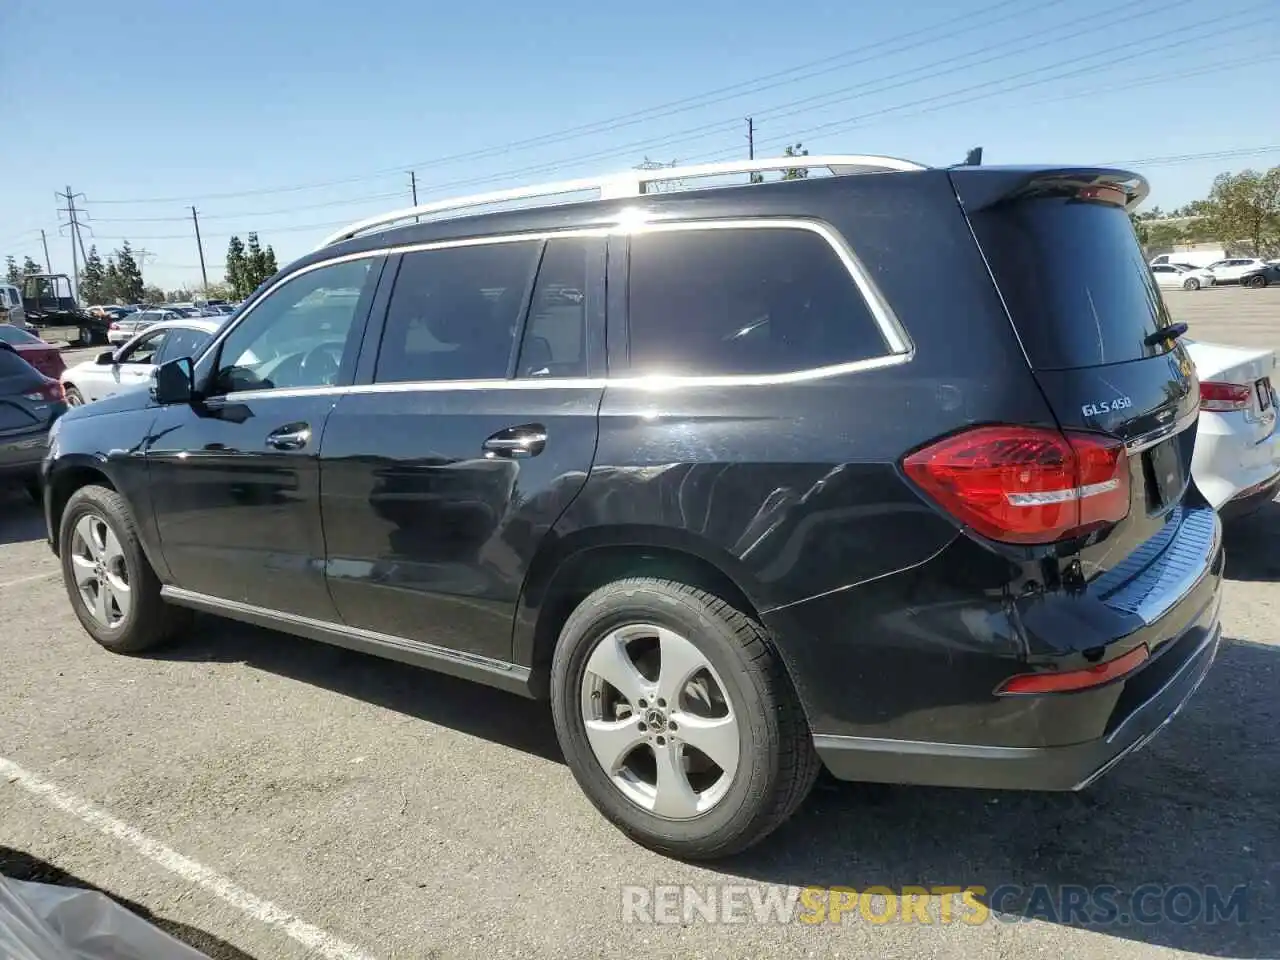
268,797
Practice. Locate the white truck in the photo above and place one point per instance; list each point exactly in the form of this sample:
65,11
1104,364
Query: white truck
1191,258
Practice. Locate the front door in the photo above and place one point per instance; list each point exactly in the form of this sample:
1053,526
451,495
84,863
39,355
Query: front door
443,474
234,475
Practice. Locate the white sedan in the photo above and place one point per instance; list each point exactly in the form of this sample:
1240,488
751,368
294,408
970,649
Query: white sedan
1181,276
1236,464
133,364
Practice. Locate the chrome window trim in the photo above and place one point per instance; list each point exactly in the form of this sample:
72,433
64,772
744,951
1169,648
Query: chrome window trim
900,348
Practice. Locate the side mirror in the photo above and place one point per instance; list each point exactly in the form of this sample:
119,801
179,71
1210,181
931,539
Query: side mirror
175,381
105,359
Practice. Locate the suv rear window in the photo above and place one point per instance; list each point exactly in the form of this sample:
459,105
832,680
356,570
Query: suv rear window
744,301
1074,279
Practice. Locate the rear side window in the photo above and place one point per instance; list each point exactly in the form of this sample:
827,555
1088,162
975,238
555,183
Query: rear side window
742,302
555,337
1075,281
11,364
454,313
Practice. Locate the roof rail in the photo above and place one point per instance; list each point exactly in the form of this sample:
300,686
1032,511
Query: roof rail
629,183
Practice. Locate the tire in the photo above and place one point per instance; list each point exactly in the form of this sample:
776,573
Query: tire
1191,284
773,759
86,337
74,397
1257,282
98,529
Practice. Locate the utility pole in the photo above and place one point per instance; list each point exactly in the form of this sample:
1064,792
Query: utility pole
751,138
204,277
413,190
48,265
77,244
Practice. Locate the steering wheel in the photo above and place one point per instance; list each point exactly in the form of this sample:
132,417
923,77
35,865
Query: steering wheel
320,365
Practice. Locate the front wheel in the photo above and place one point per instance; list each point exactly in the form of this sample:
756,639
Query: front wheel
1257,282
74,397
678,719
1191,284
113,590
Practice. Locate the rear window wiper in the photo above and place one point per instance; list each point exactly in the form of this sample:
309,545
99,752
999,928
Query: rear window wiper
1172,332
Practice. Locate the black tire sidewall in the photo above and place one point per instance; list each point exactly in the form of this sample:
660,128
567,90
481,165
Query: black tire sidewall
79,397
758,731
96,500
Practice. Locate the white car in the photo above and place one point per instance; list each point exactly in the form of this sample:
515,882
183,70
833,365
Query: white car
133,364
1233,268
1182,277
1236,463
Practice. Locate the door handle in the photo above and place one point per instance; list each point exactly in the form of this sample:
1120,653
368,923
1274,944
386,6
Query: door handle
526,441
294,436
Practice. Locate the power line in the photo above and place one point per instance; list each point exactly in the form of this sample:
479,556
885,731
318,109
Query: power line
969,21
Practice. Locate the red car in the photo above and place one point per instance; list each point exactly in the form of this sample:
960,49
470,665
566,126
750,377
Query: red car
45,357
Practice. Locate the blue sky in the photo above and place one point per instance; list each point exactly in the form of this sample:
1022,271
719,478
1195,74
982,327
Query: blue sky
252,110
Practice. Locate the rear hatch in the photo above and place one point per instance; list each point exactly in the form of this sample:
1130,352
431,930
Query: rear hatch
18,378
1098,337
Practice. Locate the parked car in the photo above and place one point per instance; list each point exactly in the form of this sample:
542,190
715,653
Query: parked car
796,509
1185,278
1237,454
45,357
1260,276
11,311
30,402
134,364
126,328
1235,269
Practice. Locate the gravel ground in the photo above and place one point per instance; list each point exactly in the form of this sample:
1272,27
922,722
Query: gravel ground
412,815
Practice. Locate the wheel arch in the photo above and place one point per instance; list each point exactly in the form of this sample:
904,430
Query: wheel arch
68,475
567,569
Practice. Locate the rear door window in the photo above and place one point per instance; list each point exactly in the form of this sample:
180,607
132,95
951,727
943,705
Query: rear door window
454,313
743,301
1074,279
555,336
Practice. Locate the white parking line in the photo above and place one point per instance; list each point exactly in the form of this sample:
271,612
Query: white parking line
313,938
31,579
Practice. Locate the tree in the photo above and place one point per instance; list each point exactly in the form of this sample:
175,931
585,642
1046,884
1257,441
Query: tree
131,284
93,279
29,267
1245,206
269,261
11,272
151,294
111,282
238,268
795,173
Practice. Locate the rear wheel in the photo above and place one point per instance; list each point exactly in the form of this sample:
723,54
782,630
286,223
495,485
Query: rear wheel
678,719
113,590
1191,284
1257,282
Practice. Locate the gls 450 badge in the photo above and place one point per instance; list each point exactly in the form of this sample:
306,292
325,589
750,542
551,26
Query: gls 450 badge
1106,406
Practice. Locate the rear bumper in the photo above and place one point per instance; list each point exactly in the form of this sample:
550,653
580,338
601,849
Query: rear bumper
1071,767
1251,499
22,454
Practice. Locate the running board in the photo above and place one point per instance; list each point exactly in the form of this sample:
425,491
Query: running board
493,673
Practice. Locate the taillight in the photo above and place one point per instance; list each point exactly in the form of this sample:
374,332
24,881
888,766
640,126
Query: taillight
1218,397
1025,484
1095,676
50,392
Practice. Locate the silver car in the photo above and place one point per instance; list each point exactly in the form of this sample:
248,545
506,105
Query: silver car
124,330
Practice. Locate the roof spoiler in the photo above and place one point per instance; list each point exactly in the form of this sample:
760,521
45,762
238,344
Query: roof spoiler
981,187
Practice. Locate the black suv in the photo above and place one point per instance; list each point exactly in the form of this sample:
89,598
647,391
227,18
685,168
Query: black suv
885,470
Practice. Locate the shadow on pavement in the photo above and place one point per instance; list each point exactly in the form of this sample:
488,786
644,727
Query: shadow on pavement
1196,808
1253,545
20,519
22,866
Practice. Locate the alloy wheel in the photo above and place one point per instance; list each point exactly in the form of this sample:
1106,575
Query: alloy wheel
101,571
659,721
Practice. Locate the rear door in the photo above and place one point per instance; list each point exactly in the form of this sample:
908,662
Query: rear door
468,432
1095,330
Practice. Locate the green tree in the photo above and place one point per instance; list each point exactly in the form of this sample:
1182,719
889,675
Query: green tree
93,279
11,272
29,267
1245,206
130,282
151,295
111,282
269,263
795,173
238,268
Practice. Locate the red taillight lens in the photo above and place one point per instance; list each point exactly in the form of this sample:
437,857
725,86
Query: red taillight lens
1033,683
50,392
1025,484
1220,397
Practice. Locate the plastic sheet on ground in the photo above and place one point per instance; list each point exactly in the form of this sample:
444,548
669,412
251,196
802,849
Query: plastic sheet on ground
40,921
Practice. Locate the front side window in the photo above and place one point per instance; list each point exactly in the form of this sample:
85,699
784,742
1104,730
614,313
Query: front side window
454,312
300,334
146,348
742,302
182,342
